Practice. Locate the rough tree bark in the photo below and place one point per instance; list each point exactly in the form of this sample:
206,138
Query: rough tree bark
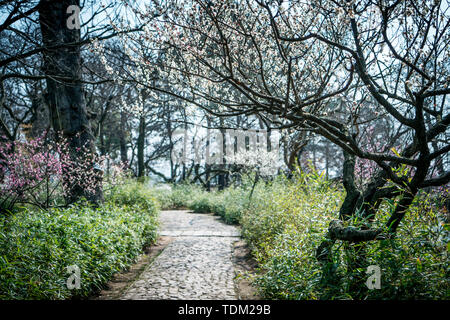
65,96
352,194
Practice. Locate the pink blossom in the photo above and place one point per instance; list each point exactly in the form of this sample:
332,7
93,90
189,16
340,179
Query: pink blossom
39,171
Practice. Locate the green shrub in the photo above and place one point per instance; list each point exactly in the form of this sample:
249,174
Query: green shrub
36,247
178,196
133,193
415,264
284,225
203,203
287,224
231,204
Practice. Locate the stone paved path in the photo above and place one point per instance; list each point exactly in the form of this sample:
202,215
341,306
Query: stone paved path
196,265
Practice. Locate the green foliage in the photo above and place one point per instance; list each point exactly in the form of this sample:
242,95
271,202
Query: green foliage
228,203
203,203
285,230
286,220
36,247
284,227
133,193
176,196
415,265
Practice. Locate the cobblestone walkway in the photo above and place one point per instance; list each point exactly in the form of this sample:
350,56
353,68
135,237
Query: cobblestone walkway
196,265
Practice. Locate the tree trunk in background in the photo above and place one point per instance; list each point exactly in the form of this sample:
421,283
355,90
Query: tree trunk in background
171,146
208,166
2,157
65,97
221,177
140,148
103,147
123,139
327,165
314,146
102,139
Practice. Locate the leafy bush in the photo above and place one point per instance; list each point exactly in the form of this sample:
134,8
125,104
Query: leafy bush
36,247
228,204
178,196
203,203
234,202
286,228
414,265
133,193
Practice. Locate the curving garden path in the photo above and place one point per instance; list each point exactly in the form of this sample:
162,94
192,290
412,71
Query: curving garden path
196,265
